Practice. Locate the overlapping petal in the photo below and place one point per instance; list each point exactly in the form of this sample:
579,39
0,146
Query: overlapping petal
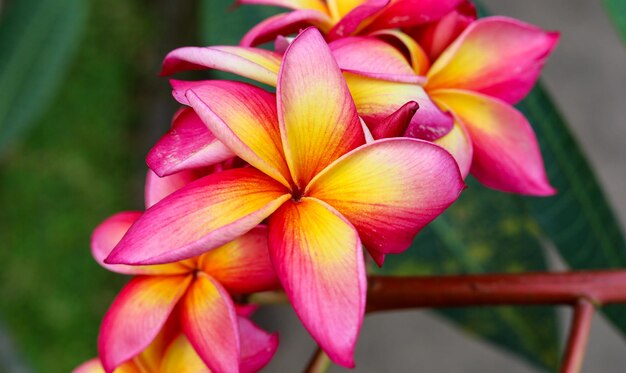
291,4
286,24
318,119
257,346
497,56
377,99
390,189
210,323
340,8
253,63
204,215
180,357
506,153
459,144
418,57
406,13
241,116
242,265
136,317
157,188
317,255
354,15
110,232
187,145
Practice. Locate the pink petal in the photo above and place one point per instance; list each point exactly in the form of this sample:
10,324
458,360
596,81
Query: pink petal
241,116
187,145
91,366
390,189
108,234
204,215
318,119
286,24
396,124
257,346
136,317
210,323
317,255
157,188
405,13
256,64
373,58
242,265
403,42
459,144
291,4
352,22
506,153
496,56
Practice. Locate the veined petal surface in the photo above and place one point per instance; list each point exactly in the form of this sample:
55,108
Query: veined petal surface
253,63
318,257
496,56
242,265
137,315
506,152
390,189
205,214
318,119
210,323
187,145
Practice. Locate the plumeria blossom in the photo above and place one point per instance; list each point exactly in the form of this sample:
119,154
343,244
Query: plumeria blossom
198,288
323,190
171,351
341,18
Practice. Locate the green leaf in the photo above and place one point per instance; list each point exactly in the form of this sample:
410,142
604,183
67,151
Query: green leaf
617,12
37,42
578,220
487,231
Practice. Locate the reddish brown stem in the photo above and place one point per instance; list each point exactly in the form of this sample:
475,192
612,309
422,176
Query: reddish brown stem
597,287
578,337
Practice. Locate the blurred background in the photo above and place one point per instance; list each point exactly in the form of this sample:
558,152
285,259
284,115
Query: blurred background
81,104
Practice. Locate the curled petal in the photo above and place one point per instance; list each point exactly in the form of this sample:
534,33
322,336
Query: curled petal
496,56
390,189
406,13
291,4
400,40
136,317
376,100
396,124
318,119
210,323
373,58
241,116
204,215
317,255
110,232
356,18
506,153
187,145
286,24
459,144
242,265
257,346
253,63
158,188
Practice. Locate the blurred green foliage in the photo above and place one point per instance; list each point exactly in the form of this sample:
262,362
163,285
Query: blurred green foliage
616,10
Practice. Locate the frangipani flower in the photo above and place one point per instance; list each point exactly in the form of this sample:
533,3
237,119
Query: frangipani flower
171,351
198,288
322,189
341,18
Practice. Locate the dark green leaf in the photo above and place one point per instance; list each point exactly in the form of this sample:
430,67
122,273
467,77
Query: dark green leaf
487,231
617,12
37,42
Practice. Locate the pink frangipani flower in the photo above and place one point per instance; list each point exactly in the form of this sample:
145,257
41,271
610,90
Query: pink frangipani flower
324,191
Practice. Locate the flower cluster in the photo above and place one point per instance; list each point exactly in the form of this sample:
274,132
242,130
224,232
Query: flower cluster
381,109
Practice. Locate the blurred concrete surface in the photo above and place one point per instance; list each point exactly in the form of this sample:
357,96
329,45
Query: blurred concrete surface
587,78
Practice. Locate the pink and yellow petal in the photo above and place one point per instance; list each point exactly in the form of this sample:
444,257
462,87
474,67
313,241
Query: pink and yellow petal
187,145
390,189
377,99
406,13
243,265
204,215
497,56
358,12
241,116
210,323
317,255
290,4
180,357
372,57
253,63
418,57
459,144
257,346
109,233
286,24
318,119
506,153
340,8
136,316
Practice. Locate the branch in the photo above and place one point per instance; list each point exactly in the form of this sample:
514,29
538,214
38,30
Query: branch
319,363
578,337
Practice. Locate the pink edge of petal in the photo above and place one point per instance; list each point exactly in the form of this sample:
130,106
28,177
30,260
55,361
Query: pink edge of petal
285,24
90,366
257,346
107,234
157,188
354,20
